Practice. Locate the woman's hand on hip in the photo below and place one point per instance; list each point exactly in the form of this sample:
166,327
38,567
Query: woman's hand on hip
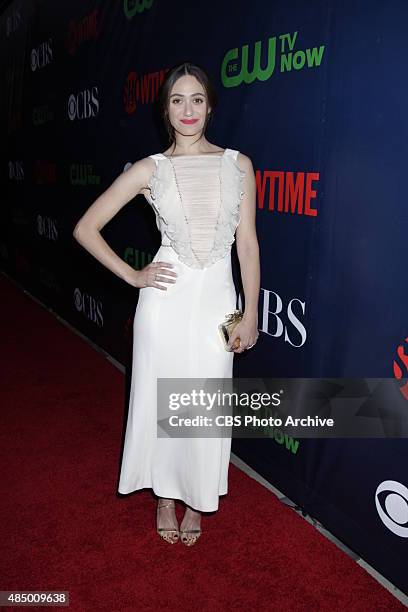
154,273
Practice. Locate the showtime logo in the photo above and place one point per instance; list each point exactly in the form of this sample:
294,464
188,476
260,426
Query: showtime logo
279,319
89,306
22,263
84,104
289,192
45,172
14,120
82,31
403,363
141,90
42,55
47,228
391,501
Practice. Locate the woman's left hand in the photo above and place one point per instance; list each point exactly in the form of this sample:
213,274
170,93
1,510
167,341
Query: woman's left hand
247,333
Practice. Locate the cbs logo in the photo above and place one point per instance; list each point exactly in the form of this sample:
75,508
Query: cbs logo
391,500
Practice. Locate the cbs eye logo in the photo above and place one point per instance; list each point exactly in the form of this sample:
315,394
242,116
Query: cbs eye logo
391,500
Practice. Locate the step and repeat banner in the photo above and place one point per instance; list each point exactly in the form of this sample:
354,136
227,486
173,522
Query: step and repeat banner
315,94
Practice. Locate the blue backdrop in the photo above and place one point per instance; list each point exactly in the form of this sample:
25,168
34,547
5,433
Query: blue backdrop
315,94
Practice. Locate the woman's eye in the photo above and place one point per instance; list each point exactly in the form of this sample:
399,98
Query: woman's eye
195,100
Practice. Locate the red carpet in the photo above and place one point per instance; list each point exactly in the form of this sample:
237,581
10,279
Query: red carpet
64,527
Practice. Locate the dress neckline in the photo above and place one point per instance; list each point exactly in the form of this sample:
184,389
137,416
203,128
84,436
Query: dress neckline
194,155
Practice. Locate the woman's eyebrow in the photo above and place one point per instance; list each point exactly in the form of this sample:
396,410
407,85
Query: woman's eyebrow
182,95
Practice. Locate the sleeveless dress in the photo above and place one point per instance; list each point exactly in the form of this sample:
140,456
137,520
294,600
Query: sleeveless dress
198,230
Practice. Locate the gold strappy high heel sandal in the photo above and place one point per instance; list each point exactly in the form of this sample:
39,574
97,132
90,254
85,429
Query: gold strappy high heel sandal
189,536
169,535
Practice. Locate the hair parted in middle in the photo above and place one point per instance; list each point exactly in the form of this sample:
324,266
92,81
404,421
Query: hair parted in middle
185,68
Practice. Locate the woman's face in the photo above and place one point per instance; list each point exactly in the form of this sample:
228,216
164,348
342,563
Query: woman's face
187,105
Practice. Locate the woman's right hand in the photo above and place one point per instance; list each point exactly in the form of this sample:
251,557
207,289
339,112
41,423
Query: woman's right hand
154,272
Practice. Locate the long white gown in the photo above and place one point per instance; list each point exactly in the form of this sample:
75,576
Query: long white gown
176,331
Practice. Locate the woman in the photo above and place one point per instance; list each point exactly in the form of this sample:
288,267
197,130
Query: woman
201,194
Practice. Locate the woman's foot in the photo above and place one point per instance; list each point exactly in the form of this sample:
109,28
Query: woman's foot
167,526
190,528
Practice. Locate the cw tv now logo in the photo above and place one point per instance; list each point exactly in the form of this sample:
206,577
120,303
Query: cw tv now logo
90,307
134,7
391,501
84,104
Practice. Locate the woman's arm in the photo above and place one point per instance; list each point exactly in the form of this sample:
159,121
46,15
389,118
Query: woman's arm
87,231
248,254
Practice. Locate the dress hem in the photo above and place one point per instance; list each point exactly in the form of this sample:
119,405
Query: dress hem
186,500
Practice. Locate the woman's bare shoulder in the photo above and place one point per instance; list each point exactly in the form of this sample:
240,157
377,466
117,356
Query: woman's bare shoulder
244,162
142,170
147,163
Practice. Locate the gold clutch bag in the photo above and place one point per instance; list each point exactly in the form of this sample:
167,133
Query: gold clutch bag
228,325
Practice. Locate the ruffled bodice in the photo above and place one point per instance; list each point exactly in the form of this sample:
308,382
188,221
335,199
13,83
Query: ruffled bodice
196,199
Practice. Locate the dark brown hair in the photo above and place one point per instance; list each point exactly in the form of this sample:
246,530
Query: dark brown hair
164,94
